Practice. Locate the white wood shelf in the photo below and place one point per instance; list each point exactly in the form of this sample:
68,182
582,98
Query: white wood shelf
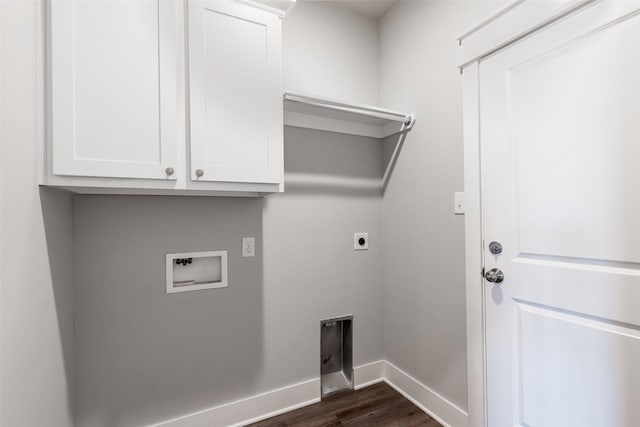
363,120
334,116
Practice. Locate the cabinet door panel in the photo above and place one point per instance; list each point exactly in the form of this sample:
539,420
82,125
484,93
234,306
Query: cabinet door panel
113,88
235,92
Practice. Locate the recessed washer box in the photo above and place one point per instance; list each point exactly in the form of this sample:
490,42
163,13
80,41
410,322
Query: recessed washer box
336,355
195,271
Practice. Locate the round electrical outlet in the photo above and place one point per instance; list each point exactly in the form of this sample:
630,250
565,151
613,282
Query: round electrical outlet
361,241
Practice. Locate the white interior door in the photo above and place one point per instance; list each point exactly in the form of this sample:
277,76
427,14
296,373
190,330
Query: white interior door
560,156
113,88
235,92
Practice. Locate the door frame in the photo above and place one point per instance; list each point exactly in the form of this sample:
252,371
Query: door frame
475,304
506,27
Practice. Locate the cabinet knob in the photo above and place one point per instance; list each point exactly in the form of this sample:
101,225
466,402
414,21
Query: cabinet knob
169,171
199,173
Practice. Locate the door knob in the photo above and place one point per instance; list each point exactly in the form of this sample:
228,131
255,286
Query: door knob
199,173
494,275
169,171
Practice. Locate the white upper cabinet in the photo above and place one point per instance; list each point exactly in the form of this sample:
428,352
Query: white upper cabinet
113,89
164,97
235,93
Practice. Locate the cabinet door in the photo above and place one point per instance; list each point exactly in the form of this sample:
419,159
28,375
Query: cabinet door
113,88
235,93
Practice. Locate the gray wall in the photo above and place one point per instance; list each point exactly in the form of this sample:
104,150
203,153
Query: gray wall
35,245
311,269
423,269
143,356
330,51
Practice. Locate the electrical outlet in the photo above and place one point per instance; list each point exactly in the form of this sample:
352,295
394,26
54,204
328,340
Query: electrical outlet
248,247
361,241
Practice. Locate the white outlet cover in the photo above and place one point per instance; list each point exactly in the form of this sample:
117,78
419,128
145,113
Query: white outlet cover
356,241
458,207
248,247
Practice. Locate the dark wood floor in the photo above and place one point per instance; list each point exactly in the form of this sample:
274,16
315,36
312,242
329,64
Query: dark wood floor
377,405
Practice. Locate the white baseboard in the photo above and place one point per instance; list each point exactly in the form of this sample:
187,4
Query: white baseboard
251,409
271,403
285,399
369,374
439,408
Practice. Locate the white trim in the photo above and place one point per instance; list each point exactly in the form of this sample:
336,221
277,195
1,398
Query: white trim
280,12
2,38
271,403
252,409
438,407
502,11
295,396
368,374
162,192
511,25
41,91
476,372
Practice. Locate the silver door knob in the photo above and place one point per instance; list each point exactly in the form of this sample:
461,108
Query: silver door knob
169,171
494,276
199,173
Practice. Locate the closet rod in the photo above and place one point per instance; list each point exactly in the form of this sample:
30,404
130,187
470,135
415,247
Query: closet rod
362,110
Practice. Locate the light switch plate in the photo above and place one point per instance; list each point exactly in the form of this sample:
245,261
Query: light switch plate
248,247
361,241
458,204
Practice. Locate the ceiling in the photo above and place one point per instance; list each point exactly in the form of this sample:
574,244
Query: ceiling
373,8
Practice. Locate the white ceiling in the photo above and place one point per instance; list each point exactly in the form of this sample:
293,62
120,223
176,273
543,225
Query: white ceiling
373,8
